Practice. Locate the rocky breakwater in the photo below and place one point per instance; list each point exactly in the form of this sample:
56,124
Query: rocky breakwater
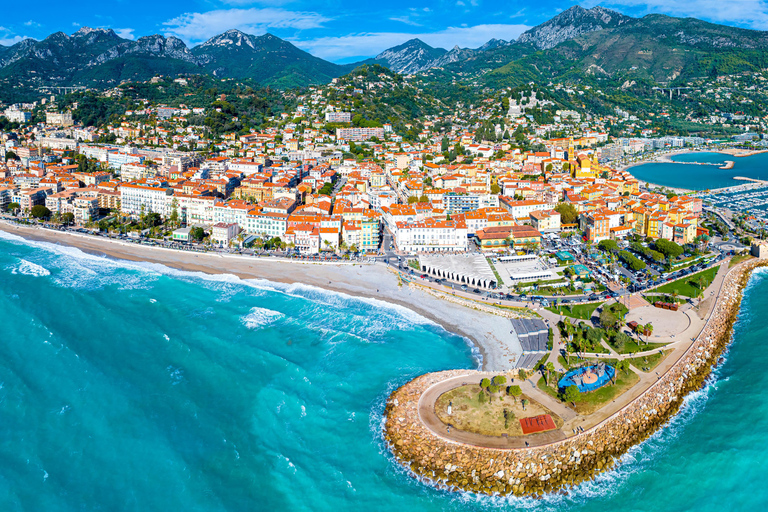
452,465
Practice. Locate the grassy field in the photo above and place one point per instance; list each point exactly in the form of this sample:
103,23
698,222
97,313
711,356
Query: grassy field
634,346
648,363
590,402
688,286
487,418
738,259
580,311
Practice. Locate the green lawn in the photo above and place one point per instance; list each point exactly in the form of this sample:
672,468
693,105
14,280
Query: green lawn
687,286
648,363
634,347
580,311
618,309
738,259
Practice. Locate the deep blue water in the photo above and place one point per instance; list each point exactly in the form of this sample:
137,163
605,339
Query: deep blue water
702,177
136,387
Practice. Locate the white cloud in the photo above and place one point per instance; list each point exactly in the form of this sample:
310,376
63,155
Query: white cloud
195,27
125,33
750,13
11,40
406,20
356,45
8,38
32,23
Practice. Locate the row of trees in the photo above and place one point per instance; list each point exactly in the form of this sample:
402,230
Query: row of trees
632,261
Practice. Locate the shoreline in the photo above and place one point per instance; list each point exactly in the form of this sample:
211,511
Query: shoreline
667,158
554,466
484,332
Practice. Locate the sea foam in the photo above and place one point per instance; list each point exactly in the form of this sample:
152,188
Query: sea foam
30,269
261,317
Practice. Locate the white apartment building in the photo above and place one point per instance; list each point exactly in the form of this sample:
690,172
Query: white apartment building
17,116
193,209
247,167
233,212
523,209
57,143
59,118
431,235
85,208
267,224
138,199
136,172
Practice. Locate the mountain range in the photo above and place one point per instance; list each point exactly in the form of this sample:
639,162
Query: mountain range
99,56
597,41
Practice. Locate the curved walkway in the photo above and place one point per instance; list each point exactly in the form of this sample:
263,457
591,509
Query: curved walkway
429,418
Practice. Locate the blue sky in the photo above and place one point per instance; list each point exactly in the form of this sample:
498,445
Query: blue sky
341,30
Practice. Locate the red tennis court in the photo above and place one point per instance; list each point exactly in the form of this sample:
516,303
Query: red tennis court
540,423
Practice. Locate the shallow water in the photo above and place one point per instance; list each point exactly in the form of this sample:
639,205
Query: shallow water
702,177
129,386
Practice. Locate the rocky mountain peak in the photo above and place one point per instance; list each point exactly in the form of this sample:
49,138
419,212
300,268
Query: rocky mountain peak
572,23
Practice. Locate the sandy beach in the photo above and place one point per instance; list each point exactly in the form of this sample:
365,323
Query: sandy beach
489,333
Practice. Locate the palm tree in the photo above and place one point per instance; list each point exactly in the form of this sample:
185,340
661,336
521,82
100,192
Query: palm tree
649,330
550,370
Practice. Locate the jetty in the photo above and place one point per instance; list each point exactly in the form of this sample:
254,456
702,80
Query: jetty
753,180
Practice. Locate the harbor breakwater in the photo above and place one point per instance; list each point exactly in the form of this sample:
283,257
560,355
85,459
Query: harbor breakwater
533,471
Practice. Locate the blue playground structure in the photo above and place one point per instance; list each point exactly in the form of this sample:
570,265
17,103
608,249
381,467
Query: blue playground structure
588,378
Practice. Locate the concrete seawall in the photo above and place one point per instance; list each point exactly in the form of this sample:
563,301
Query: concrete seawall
535,471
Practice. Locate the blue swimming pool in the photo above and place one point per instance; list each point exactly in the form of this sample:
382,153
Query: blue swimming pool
588,378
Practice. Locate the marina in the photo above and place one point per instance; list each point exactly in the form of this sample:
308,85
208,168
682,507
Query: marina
753,201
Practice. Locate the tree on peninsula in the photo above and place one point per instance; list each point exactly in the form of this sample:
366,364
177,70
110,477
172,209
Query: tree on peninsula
514,391
571,394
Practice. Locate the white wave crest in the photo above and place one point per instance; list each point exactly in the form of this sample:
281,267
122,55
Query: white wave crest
261,317
31,269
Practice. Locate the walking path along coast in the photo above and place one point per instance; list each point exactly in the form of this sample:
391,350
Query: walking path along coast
450,464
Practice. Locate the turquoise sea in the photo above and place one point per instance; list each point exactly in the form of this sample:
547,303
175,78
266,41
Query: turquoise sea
132,387
703,177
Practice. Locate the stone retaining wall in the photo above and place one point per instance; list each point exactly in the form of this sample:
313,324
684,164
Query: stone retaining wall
538,470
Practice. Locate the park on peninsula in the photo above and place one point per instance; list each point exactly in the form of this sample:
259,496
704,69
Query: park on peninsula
614,372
